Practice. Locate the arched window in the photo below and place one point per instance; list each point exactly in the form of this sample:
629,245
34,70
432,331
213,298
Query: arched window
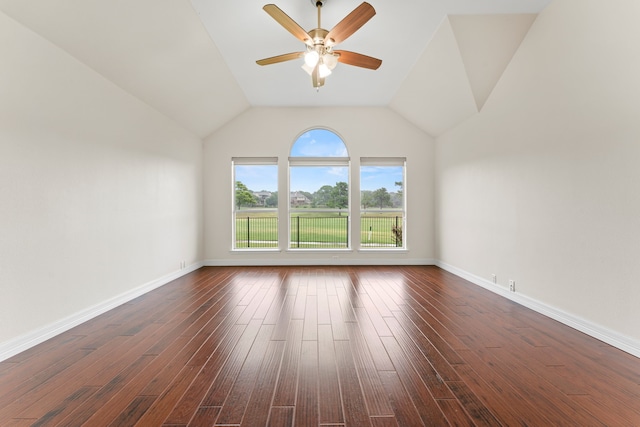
319,192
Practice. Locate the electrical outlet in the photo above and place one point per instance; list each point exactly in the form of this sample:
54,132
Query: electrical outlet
512,285
494,278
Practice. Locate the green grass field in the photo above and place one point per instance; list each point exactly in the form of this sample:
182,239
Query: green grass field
314,230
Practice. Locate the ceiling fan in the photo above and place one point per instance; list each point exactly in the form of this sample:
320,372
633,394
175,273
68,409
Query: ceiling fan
320,57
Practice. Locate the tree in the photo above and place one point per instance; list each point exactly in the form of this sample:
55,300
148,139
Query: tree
381,198
272,200
366,199
397,199
307,195
244,196
399,184
339,196
322,197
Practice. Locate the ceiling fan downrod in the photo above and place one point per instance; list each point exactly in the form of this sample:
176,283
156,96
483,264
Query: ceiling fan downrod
319,4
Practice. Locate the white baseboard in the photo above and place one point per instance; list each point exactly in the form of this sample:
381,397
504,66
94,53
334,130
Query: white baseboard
319,261
599,332
33,338
24,342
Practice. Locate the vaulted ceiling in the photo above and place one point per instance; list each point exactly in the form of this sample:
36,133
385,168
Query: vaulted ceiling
194,61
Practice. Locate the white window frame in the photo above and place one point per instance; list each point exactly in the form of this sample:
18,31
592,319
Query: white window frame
251,161
319,162
386,161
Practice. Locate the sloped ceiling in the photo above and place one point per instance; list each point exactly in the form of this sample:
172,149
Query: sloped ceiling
157,50
194,60
461,65
487,44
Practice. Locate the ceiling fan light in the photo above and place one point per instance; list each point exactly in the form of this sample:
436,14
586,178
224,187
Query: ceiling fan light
323,70
308,69
311,58
320,58
330,60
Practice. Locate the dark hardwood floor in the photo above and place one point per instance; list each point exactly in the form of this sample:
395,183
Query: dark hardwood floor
332,346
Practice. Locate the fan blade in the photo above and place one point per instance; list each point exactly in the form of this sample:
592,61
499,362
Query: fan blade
288,23
358,59
350,24
280,58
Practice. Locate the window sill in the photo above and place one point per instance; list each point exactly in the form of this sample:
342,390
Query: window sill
245,250
384,250
319,250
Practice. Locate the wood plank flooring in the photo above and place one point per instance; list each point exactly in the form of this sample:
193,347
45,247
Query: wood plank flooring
330,346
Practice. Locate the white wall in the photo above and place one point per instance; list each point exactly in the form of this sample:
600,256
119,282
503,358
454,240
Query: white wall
270,132
543,186
99,194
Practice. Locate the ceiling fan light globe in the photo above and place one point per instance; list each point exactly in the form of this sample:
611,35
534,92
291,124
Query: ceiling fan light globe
311,58
323,71
330,60
309,70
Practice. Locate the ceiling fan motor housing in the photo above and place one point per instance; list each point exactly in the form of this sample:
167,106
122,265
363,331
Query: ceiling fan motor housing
318,35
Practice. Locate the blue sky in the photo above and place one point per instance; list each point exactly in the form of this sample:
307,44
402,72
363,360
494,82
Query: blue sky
318,143
312,178
374,177
371,177
264,177
258,177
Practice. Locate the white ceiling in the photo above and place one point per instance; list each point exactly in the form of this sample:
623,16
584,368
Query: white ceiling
194,60
398,34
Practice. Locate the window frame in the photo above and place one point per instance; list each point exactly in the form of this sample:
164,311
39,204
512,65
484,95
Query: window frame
385,162
252,161
320,161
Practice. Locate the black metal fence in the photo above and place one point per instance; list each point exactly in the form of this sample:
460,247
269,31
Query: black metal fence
323,232
256,232
319,232
381,231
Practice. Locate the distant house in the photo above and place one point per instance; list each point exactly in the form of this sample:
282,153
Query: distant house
262,197
298,199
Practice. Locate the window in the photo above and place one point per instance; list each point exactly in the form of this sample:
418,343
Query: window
255,203
382,203
319,215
